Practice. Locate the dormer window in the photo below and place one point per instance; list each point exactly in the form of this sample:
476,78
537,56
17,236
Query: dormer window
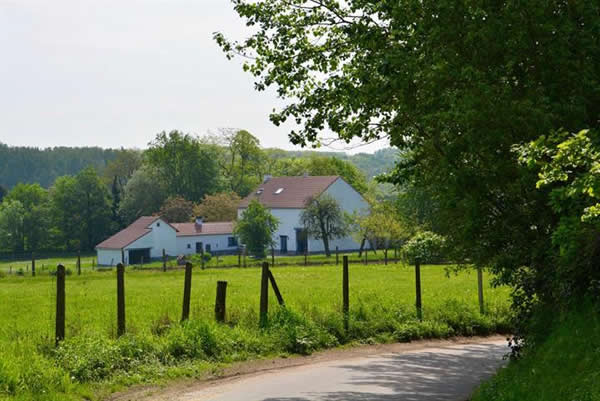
280,190
157,224
260,191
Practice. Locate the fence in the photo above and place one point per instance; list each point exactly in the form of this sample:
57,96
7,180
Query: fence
267,280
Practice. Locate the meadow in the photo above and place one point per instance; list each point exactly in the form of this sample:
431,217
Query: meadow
92,361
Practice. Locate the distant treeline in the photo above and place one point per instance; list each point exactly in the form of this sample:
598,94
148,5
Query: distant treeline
19,164
43,166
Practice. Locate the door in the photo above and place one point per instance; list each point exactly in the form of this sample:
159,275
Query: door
198,247
283,243
207,248
301,241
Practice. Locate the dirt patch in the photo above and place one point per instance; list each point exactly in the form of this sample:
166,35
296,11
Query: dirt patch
177,388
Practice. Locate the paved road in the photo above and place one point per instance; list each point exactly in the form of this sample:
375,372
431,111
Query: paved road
441,373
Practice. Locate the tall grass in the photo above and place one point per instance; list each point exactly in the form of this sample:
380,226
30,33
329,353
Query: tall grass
157,347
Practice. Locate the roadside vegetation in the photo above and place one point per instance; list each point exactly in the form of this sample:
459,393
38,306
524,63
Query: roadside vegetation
92,361
563,365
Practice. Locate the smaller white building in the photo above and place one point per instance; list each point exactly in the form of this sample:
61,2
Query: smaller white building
148,236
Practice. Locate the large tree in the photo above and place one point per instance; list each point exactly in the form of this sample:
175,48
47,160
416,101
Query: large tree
80,209
36,214
324,219
241,161
11,225
255,228
218,207
188,166
455,85
143,195
177,210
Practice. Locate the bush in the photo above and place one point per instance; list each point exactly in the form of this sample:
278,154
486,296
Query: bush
192,339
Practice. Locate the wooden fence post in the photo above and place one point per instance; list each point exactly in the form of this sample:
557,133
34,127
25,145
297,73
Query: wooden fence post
202,256
337,255
306,256
276,288
164,260
59,333
272,256
120,299
345,293
480,290
220,302
79,263
142,262
385,251
418,289
239,257
366,256
32,264
187,290
264,294
245,254
395,254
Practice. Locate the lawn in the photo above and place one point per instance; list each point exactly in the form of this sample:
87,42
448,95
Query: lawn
157,348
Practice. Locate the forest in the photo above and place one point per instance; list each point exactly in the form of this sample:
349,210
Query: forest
68,199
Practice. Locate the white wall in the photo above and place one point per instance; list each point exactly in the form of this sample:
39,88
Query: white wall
163,236
218,243
109,257
289,219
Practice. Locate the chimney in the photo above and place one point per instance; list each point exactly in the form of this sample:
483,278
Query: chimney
267,177
199,220
305,174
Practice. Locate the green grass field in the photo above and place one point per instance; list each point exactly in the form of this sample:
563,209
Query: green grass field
157,348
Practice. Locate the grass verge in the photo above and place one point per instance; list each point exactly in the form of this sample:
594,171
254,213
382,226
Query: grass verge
565,366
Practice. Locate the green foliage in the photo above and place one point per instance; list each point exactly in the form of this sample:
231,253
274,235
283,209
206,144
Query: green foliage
241,161
144,194
12,214
382,226
324,219
80,209
423,247
188,166
218,207
36,215
177,210
564,365
433,77
255,228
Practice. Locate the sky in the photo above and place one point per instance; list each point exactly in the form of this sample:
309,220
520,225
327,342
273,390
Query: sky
114,73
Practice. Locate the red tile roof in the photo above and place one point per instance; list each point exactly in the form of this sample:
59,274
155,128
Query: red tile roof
136,230
295,193
216,228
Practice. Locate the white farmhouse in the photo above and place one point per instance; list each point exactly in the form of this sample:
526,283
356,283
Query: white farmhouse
286,198
149,235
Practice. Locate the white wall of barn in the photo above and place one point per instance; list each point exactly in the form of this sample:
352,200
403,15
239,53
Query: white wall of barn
108,257
186,245
163,236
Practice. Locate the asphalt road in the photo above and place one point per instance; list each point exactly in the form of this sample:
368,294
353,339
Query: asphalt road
438,373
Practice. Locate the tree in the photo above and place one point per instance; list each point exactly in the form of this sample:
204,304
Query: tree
433,77
143,195
423,247
187,166
177,210
3,192
255,228
241,161
116,217
80,209
382,227
11,225
324,219
122,167
218,207
34,200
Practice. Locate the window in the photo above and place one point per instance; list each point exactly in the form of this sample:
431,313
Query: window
157,224
280,190
232,241
189,246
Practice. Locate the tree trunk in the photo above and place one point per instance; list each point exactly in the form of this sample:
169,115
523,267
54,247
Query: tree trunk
326,245
362,247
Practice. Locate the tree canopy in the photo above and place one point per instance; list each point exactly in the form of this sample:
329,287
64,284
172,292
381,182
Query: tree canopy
255,228
324,219
221,206
454,86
